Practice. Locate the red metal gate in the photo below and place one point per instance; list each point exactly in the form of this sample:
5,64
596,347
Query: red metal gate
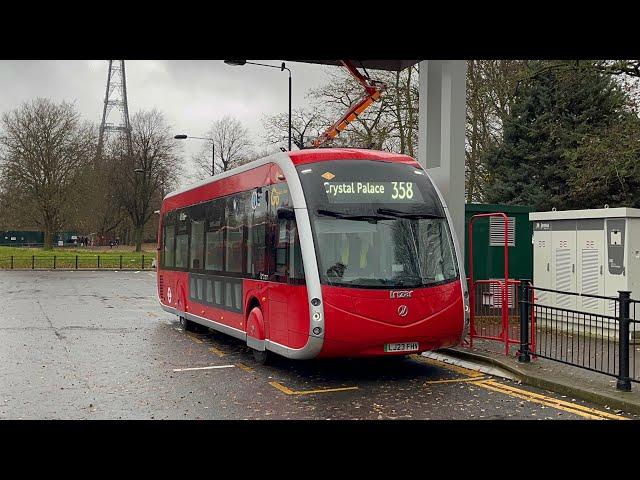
494,304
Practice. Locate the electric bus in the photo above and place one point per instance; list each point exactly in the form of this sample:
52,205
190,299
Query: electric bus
316,253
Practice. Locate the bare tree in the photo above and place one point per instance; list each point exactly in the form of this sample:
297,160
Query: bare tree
491,90
43,147
261,153
232,146
402,95
99,211
141,176
306,124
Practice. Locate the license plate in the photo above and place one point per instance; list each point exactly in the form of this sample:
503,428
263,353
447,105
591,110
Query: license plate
401,347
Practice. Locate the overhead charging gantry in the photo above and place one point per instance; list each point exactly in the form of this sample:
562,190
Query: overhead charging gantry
441,115
373,90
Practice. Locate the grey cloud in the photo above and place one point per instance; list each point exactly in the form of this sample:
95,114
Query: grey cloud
191,93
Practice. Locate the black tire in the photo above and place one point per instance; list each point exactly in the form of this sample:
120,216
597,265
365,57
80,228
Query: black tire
262,358
187,325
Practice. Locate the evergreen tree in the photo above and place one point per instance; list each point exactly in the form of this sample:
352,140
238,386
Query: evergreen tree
553,116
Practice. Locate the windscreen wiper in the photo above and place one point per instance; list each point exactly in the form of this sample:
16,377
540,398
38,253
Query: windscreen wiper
409,281
398,213
330,213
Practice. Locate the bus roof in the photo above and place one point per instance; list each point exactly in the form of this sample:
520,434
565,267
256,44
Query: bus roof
300,157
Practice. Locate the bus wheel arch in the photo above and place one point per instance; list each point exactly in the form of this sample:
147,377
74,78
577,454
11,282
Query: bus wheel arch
181,305
256,332
251,304
255,323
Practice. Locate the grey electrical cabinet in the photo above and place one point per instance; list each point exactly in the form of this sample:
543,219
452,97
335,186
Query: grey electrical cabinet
594,251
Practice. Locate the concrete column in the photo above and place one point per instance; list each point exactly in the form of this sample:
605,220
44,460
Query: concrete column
442,127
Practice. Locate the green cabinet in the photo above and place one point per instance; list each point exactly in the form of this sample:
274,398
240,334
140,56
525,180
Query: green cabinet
488,242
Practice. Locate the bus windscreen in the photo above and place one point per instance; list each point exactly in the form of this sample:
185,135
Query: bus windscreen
377,225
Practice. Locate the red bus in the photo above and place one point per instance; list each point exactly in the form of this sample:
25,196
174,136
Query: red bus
316,253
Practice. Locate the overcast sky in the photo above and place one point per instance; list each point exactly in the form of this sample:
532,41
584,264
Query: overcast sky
191,93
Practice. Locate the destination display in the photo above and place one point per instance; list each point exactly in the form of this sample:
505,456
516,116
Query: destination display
368,192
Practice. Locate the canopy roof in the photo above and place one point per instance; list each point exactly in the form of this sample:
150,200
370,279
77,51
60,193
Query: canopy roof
389,65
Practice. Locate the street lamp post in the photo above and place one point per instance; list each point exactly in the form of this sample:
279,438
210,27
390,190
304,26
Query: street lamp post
282,68
213,150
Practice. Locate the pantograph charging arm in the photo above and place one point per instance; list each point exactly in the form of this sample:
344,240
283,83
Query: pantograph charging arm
373,91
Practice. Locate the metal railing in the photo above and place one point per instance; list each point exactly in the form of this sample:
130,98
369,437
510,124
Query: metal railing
592,332
76,262
494,312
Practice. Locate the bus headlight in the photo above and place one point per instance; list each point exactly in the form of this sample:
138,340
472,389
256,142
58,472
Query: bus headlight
316,316
317,331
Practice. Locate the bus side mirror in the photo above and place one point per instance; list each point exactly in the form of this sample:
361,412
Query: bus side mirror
286,213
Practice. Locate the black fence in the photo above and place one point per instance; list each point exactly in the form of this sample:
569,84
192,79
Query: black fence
594,332
77,262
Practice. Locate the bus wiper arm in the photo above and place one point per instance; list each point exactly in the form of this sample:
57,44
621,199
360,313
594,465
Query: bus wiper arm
401,214
330,213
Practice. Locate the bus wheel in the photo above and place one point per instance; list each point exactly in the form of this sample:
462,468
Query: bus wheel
261,358
187,325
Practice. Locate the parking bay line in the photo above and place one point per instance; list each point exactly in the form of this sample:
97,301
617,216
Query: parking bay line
244,367
217,351
195,339
570,407
202,368
288,391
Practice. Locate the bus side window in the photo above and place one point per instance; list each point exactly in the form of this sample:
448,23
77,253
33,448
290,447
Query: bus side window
288,257
296,269
196,242
282,250
214,256
235,233
257,234
169,242
182,240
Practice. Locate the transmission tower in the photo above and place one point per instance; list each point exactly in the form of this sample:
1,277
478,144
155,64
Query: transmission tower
115,99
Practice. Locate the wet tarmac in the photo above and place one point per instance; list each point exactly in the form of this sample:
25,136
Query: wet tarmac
96,345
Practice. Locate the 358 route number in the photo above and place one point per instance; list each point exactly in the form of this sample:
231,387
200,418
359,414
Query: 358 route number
402,190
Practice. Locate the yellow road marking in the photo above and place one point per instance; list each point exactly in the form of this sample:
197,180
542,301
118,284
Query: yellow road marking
454,368
456,380
477,378
217,351
195,339
244,367
288,391
575,406
282,388
570,407
541,402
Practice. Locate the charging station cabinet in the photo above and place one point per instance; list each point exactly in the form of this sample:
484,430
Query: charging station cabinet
593,251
